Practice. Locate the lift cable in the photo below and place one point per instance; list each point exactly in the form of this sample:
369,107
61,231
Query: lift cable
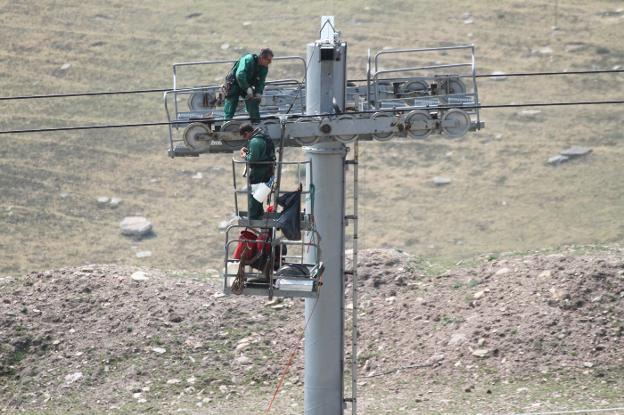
394,110
588,72
86,94
153,90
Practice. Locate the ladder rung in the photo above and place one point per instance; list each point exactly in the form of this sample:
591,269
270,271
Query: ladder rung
351,217
351,162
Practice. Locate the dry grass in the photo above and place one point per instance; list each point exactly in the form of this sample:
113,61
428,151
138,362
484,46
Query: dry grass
503,197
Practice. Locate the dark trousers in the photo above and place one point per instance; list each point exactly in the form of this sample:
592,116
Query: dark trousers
252,106
254,208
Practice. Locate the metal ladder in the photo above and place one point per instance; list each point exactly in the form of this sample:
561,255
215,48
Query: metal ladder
354,278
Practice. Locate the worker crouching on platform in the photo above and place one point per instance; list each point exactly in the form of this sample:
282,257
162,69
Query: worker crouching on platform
260,155
246,79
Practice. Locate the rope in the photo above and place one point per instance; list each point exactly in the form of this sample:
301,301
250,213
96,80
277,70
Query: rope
291,357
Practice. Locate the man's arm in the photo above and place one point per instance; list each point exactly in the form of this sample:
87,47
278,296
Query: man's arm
245,67
262,74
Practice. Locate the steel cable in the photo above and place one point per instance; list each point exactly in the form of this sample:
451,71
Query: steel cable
153,90
394,111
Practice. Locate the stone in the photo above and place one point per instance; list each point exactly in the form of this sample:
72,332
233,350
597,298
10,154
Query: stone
159,350
437,358
503,271
225,46
545,274
457,339
144,254
243,360
173,381
139,276
559,294
478,295
102,200
546,50
529,113
241,346
135,226
73,377
198,175
575,47
441,180
558,159
481,352
115,202
576,151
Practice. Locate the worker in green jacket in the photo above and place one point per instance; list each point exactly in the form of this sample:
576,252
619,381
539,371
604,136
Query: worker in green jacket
260,153
246,79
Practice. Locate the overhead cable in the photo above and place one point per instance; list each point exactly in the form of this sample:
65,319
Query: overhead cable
397,110
152,90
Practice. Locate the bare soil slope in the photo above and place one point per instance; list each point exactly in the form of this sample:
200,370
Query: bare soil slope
104,338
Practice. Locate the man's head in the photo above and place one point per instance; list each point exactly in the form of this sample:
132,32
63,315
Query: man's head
265,57
246,131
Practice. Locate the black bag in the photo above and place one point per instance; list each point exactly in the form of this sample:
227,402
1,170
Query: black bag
290,220
230,80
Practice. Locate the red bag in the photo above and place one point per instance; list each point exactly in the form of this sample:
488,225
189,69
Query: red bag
246,244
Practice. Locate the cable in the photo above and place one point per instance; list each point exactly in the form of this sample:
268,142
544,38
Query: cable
597,71
291,358
86,94
152,90
394,111
91,127
578,411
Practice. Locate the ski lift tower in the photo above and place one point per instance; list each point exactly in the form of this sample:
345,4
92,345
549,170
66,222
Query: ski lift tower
324,348
323,114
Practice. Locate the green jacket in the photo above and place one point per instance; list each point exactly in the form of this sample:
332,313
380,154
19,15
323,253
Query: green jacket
261,148
250,73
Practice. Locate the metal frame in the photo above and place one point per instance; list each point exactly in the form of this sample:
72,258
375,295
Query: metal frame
175,66
278,192
373,74
271,290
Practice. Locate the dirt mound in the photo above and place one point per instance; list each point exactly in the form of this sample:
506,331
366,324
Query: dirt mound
117,337
114,335
535,313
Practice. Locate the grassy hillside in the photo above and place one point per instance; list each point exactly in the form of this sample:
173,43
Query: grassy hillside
503,196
